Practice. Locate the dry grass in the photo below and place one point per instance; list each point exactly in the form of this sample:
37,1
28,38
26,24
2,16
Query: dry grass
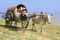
50,32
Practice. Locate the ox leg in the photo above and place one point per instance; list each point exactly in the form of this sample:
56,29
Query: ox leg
11,22
42,26
7,23
41,29
15,24
27,24
23,23
33,27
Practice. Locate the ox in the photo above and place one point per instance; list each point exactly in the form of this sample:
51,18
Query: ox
40,19
18,14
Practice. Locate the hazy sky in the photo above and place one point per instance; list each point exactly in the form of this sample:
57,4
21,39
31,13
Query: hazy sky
33,5
50,6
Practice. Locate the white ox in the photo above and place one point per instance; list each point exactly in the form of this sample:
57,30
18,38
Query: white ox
40,19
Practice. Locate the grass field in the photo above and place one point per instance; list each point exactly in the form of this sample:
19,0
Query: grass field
50,32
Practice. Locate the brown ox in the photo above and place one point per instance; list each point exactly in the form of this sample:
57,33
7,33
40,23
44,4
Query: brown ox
17,14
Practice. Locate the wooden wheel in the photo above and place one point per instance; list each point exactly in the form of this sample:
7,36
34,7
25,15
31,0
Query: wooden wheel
9,19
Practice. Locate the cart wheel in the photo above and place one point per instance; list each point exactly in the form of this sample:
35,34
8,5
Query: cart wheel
8,23
9,20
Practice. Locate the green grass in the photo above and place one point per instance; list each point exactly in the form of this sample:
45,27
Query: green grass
53,32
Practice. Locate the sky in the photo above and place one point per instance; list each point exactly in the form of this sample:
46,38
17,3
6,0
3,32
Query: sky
52,6
49,6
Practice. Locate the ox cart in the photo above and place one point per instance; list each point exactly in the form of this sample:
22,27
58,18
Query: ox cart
10,16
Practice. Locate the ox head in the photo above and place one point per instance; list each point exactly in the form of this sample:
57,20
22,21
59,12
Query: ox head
21,7
21,10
